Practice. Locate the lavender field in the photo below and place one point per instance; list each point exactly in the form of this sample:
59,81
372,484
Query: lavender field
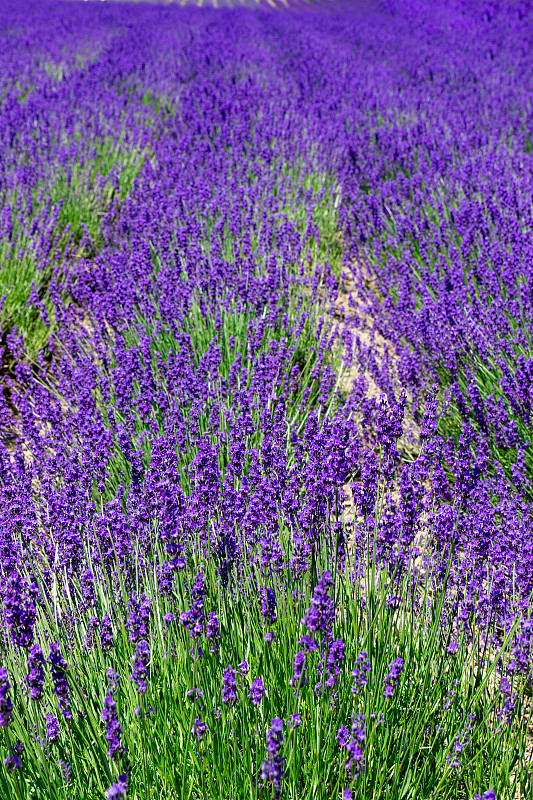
266,477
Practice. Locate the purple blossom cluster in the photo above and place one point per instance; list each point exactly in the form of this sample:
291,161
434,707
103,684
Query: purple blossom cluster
58,671
353,744
392,678
183,416
140,672
6,704
273,767
110,719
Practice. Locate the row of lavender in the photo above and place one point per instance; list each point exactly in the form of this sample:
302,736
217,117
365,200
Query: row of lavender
173,488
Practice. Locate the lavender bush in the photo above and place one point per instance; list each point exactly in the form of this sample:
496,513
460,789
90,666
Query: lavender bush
226,571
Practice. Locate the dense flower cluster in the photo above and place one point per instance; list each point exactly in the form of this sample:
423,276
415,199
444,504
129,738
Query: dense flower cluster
273,767
58,669
6,704
110,718
140,671
353,743
35,676
392,678
270,332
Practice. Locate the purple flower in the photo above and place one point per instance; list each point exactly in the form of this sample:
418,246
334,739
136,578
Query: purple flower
66,771
6,704
353,743
267,600
199,729
138,712
138,621
140,673
112,725
196,652
393,677
19,609
308,644
106,634
294,721
272,769
320,615
347,794
52,728
13,760
299,666
113,679
194,694
229,687
165,579
359,672
343,736
59,679
269,637
506,712
35,677
87,587
212,630
334,662
119,789
90,634
193,619
257,691
243,667
505,687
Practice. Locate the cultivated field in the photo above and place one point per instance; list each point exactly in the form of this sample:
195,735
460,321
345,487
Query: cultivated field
266,501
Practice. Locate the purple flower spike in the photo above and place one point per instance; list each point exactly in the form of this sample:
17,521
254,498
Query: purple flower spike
354,744
6,704
199,729
229,687
138,621
320,615
35,677
119,789
294,721
359,672
13,760
212,631
106,634
140,673
112,725
193,619
334,663
272,770
391,680
19,609
300,667
52,728
59,679
267,599
257,691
